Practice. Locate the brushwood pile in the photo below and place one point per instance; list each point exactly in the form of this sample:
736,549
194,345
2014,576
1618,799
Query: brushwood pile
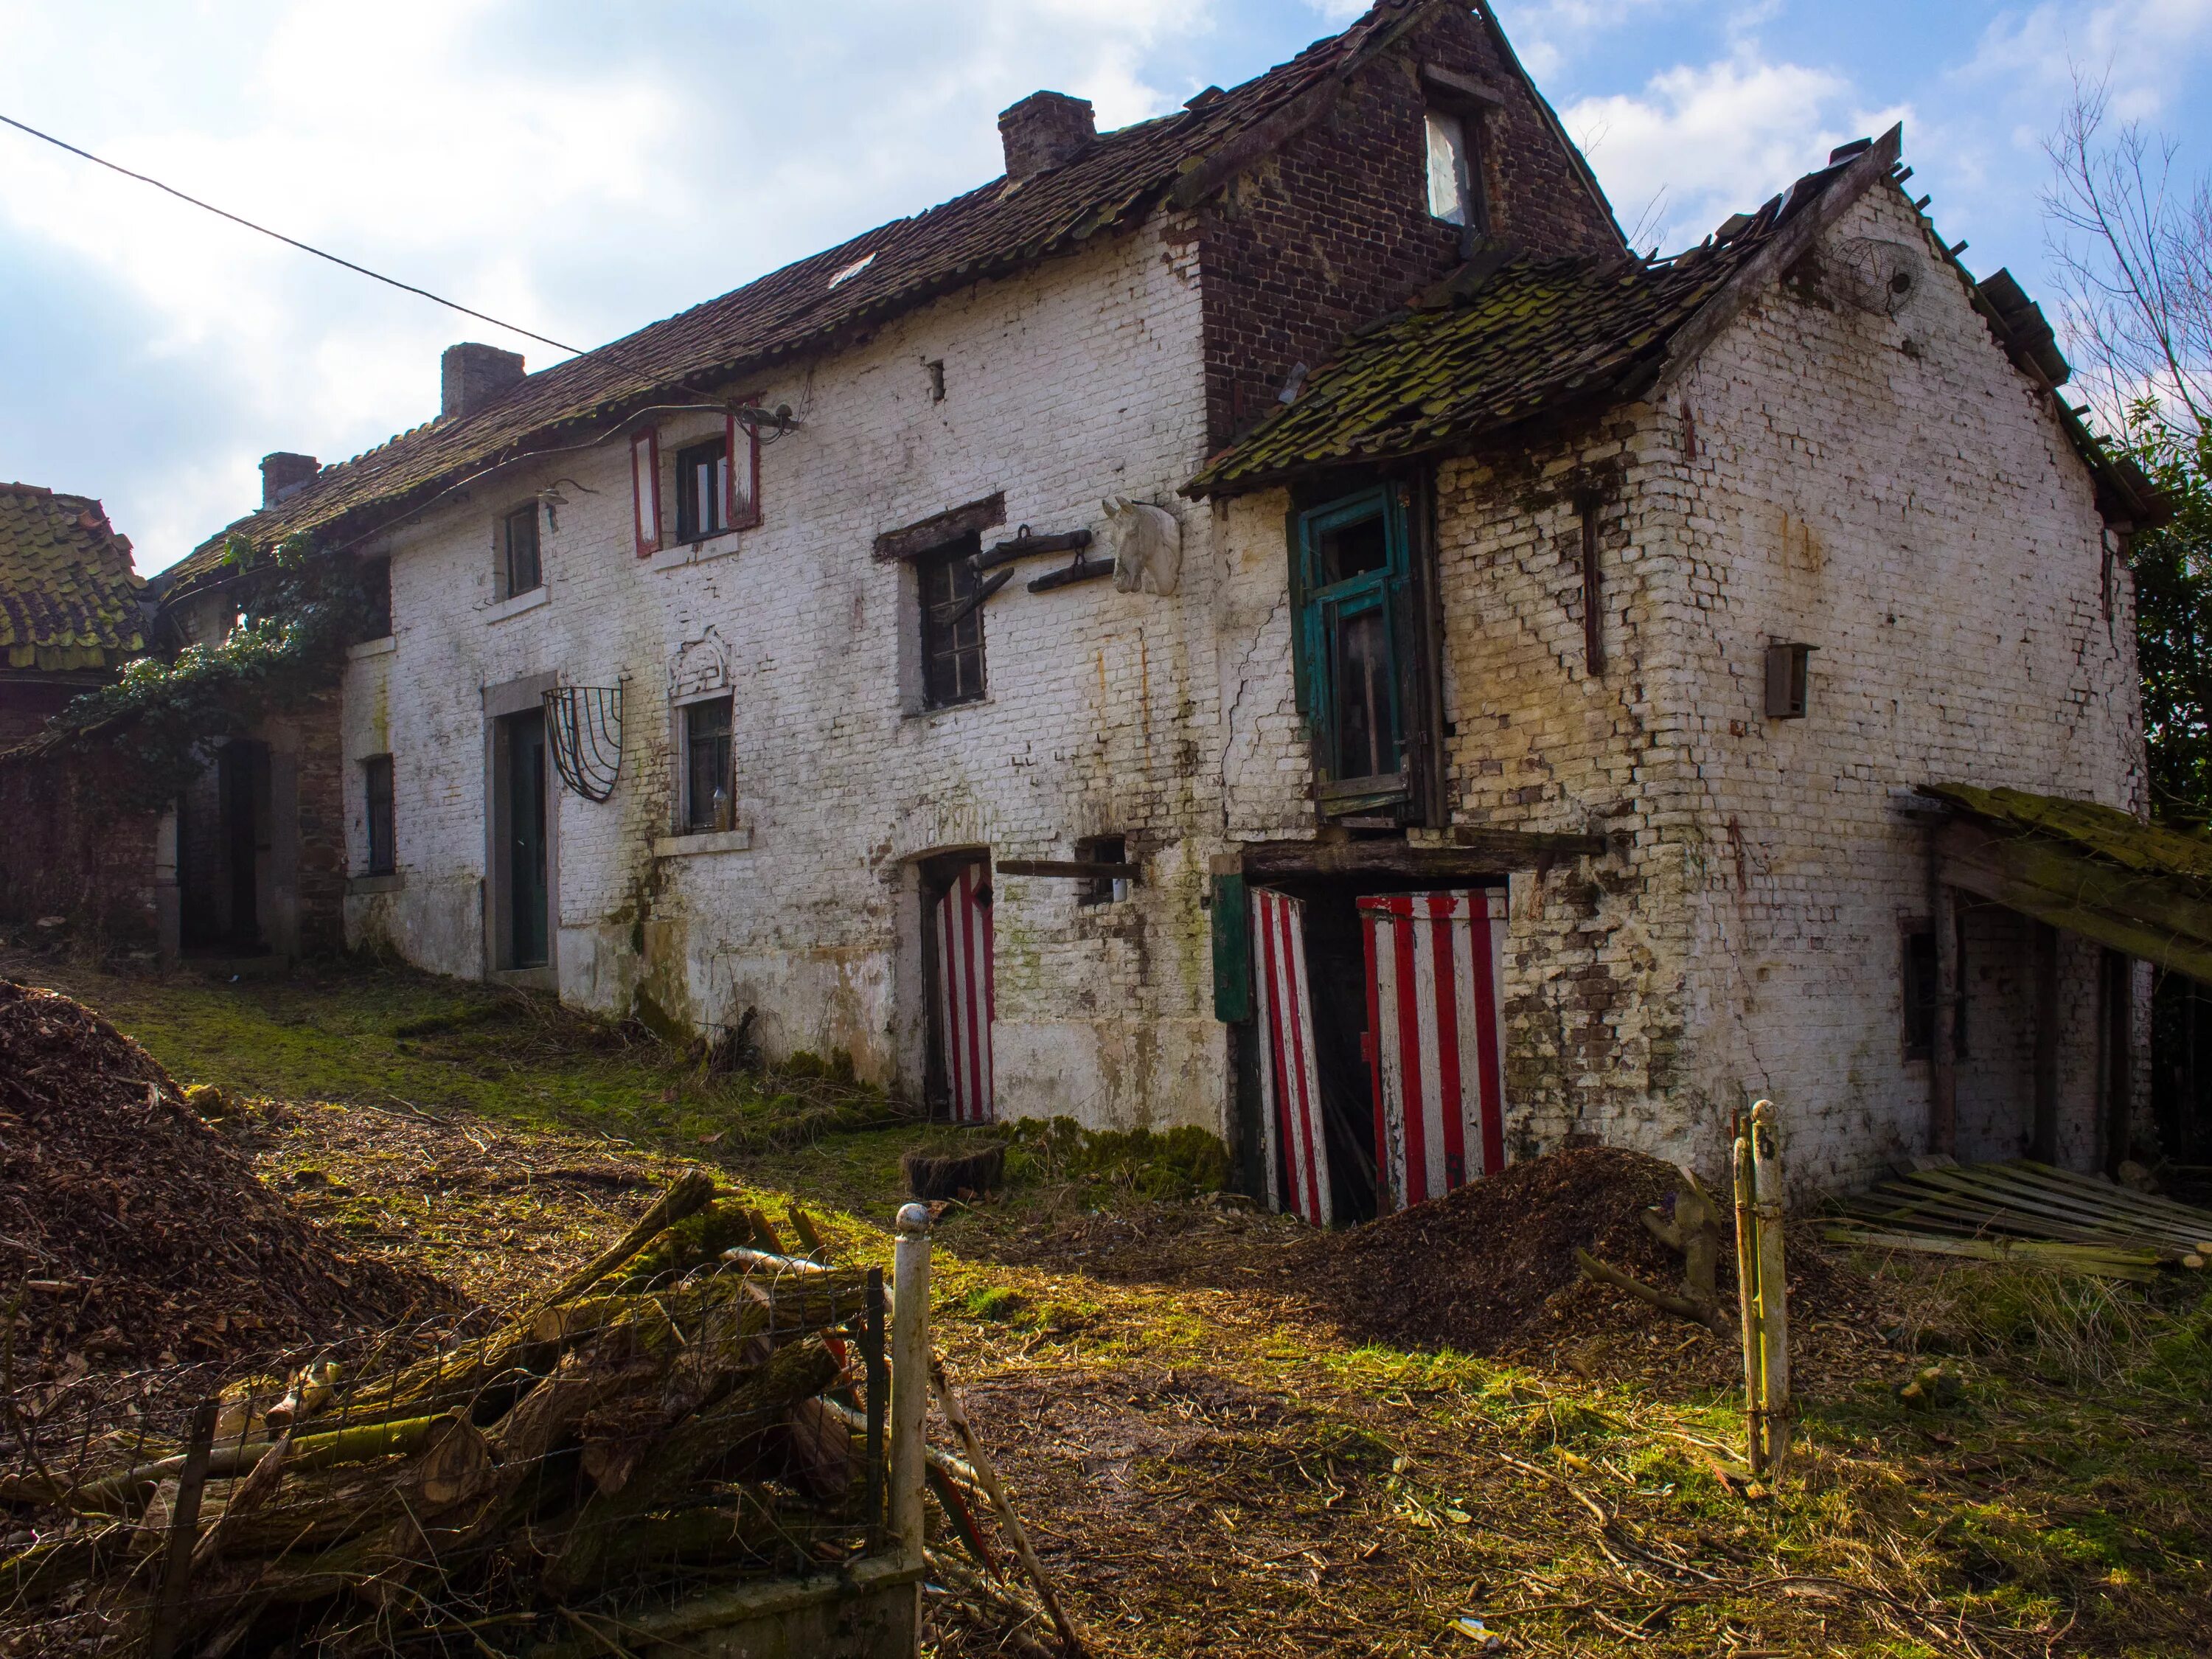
131,1233
577,1468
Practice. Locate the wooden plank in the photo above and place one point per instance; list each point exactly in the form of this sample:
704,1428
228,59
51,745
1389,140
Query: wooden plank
1231,915
1486,855
2031,1199
1025,546
184,1533
1069,869
1943,1056
2137,1267
1083,570
2188,1217
937,530
1959,1214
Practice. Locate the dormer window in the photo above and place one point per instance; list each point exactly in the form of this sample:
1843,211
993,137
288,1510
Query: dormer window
1451,171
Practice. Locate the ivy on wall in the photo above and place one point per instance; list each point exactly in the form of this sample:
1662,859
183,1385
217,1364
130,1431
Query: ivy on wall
154,728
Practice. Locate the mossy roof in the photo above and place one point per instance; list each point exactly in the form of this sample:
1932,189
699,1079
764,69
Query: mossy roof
2105,833
1109,189
69,599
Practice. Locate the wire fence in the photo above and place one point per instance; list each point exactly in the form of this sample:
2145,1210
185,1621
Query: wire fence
460,1488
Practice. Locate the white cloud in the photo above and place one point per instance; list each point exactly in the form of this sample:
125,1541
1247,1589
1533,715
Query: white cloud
1708,140
575,168
2149,48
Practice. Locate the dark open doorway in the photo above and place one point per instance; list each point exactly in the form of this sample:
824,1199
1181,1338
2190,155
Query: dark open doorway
223,850
526,935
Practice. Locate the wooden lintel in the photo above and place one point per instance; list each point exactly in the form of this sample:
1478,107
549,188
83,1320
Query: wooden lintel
1539,846
2141,916
1069,870
1497,853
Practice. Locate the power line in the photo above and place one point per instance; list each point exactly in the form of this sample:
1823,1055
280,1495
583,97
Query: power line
393,282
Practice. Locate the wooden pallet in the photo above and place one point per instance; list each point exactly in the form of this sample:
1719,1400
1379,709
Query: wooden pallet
2022,1211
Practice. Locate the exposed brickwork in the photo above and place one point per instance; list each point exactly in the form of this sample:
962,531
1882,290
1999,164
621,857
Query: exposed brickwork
1333,229
66,854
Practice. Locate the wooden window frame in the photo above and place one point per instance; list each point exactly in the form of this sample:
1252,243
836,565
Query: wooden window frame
954,558
1323,608
698,819
693,502
506,570
380,842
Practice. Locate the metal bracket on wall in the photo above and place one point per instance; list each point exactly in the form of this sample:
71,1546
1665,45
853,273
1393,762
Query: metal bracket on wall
584,729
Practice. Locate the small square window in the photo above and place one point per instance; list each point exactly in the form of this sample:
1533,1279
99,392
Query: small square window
702,489
1451,170
951,628
376,787
707,803
1102,849
376,578
519,565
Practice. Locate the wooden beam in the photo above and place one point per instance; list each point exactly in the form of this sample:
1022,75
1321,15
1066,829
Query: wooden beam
2139,915
2044,1137
1493,854
1069,870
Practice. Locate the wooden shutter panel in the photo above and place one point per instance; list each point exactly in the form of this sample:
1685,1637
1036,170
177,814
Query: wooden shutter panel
645,488
741,445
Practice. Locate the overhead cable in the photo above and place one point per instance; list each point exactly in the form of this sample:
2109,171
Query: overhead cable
393,282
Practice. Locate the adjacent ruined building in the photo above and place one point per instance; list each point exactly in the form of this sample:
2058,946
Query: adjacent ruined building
1271,618
72,612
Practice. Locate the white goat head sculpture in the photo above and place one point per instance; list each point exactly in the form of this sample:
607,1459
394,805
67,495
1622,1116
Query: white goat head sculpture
1147,543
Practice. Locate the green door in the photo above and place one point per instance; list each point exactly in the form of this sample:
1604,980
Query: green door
526,895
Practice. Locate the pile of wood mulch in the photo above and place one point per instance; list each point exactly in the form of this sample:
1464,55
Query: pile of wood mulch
133,1234
1472,1270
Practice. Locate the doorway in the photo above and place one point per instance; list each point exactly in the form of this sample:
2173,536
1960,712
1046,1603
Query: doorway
1379,1042
224,842
958,987
525,921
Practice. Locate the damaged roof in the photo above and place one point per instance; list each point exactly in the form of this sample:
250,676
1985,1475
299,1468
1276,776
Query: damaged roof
1005,226
1508,344
69,599
2142,889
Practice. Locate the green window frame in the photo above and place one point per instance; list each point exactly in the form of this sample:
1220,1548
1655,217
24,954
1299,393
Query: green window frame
1354,602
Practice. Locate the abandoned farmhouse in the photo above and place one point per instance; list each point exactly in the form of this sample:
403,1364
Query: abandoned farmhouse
1272,618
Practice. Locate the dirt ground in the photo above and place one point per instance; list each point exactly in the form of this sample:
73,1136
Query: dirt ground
1217,1452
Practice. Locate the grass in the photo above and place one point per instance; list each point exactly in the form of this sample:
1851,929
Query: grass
1210,1468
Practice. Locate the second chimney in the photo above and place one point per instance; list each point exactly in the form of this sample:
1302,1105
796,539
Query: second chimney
1044,130
285,474
471,375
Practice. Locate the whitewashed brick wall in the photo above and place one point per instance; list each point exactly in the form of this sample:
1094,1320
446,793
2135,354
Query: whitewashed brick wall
1076,380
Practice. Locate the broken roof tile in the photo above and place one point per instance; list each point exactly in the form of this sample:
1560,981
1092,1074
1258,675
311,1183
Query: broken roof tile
69,599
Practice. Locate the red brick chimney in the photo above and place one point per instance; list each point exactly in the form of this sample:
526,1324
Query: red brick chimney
1043,131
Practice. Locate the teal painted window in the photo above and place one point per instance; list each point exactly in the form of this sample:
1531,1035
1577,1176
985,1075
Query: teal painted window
1354,597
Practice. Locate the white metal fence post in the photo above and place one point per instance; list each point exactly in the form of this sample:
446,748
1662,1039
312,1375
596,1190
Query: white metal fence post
909,1375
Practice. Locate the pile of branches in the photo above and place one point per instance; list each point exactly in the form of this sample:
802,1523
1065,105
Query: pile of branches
589,1459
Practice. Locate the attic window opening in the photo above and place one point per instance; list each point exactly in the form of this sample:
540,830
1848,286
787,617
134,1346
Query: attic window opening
1788,681
853,270
1452,196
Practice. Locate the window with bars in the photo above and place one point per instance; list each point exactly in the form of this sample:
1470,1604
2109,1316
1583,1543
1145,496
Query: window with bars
951,628
520,570
702,490
707,786
376,784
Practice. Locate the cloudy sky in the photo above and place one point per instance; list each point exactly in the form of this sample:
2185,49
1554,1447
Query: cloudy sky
580,169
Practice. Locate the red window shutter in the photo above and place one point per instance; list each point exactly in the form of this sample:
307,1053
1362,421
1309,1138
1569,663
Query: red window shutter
742,447
645,488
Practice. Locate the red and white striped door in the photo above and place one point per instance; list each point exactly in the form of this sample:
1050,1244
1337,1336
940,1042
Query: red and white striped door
1296,1154
966,998
1434,962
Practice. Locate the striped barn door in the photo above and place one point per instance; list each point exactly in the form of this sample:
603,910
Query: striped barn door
1296,1155
1434,961
965,998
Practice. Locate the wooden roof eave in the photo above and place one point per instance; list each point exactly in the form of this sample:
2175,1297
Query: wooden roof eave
2160,919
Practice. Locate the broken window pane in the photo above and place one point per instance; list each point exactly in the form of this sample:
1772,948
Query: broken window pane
702,485
1353,549
519,542
1366,725
951,642
1448,168
706,782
